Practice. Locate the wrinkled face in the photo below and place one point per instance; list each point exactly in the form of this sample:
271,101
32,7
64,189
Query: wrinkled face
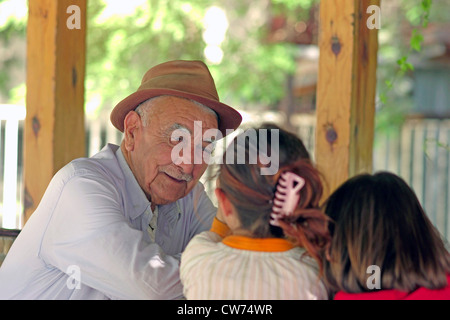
149,147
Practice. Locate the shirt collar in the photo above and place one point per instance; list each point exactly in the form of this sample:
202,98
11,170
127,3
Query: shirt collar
136,194
258,244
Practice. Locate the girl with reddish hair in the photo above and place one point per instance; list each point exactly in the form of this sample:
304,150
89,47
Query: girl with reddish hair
266,239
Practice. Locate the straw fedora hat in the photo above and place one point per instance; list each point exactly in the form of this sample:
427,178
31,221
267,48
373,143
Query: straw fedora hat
187,79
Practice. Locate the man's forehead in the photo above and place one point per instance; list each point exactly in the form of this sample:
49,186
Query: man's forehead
197,110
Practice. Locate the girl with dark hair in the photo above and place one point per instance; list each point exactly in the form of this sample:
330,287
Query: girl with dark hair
383,245
266,238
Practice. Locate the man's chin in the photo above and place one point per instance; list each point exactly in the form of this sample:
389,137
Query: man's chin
167,196
165,190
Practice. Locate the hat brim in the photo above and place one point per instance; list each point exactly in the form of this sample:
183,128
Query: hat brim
229,118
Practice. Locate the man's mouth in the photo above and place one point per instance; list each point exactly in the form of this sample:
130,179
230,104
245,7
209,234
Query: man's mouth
174,179
176,175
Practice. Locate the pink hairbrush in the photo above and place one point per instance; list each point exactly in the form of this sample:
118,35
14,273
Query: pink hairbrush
286,197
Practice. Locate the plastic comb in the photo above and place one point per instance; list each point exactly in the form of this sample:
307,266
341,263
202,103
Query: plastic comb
286,197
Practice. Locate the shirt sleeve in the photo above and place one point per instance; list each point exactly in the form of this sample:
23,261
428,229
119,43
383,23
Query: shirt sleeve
89,231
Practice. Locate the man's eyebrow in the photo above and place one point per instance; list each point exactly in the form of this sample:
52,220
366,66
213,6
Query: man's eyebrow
176,126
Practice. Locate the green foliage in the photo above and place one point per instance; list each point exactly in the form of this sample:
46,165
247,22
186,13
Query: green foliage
122,47
416,40
394,104
418,15
11,28
293,8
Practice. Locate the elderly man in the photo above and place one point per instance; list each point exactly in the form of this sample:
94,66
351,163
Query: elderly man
114,226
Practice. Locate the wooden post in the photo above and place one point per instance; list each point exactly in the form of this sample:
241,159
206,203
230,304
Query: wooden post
54,125
345,91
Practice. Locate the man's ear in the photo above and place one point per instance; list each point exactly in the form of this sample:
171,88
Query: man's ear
132,122
224,204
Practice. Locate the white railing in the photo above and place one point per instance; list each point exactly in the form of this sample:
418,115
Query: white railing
11,208
419,152
100,132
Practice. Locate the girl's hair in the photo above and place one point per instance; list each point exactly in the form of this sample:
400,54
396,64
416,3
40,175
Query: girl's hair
252,193
378,220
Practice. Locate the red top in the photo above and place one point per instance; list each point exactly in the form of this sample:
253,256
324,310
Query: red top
393,294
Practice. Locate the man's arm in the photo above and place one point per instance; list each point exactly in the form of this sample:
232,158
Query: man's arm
89,230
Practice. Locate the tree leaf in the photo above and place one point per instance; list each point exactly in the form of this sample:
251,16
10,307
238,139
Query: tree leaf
416,40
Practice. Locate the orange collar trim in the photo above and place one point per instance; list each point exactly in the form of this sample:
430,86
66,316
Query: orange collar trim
258,244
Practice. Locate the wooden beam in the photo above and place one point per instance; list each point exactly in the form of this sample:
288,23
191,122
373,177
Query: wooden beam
345,91
54,125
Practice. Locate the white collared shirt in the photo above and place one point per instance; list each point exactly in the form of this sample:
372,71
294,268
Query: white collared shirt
88,237
248,269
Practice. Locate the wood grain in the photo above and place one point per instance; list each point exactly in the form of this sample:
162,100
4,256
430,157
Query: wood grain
54,125
345,91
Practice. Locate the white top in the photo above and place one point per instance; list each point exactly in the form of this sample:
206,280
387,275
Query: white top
88,237
239,268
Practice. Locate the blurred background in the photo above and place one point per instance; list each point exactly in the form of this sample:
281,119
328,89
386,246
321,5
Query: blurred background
263,55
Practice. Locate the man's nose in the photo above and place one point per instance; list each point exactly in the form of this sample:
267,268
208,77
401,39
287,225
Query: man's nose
187,167
191,158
